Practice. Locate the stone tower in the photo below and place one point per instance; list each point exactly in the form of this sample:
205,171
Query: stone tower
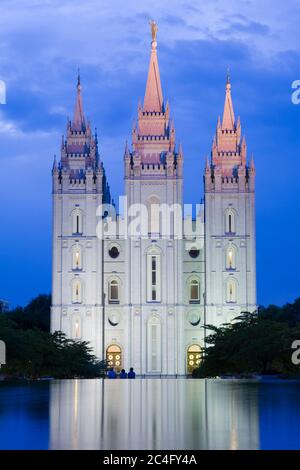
79,186
153,179
229,222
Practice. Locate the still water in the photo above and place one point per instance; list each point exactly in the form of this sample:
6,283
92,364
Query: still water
150,414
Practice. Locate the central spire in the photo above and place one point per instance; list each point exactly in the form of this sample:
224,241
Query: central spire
153,100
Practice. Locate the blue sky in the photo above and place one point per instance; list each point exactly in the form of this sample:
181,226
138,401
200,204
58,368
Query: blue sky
42,43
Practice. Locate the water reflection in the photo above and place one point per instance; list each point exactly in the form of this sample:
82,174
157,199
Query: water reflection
153,414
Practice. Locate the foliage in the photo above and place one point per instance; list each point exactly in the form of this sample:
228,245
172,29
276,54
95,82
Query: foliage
35,315
33,352
253,343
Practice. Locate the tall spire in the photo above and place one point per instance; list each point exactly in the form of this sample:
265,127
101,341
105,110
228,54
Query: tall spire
153,100
228,114
79,119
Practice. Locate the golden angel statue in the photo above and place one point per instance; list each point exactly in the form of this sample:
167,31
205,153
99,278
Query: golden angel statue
154,29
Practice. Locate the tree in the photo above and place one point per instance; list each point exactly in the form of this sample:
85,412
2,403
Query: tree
252,343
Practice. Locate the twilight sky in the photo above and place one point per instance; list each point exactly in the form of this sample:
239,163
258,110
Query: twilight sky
43,42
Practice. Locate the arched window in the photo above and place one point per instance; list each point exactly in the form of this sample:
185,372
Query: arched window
77,222
76,257
231,257
153,207
194,291
153,276
113,292
76,291
154,344
230,221
231,290
76,327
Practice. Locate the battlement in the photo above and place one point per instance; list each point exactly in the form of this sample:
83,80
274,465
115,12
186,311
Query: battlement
152,137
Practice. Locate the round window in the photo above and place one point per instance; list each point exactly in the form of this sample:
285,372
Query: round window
113,252
194,318
194,252
114,319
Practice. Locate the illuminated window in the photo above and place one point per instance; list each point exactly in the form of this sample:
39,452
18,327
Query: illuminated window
154,344
231,257
194,297
193,357
153,278
77,328
76,291
113,292
231,290
114,357
77,222
76,257
230,222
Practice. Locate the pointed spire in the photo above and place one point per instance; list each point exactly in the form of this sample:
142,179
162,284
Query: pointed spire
207,164
228,115
153,100
126,152
54,167
79,119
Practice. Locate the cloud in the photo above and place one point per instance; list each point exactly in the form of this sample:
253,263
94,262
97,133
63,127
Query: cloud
42,43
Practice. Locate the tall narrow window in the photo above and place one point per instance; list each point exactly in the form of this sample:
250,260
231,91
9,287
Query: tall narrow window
153,278
154,344
153,207
77,222
76,291
231,257
230,222
231,290
113,295
76,257
194,294
76,326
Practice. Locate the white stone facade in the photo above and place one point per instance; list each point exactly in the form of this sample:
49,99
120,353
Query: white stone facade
142,301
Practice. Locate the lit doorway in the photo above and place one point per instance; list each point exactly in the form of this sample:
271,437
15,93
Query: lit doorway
193,357
114,357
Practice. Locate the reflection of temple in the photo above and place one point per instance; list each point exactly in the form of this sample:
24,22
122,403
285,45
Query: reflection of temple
153,414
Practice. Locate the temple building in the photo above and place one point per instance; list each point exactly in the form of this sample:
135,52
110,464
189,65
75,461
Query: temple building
142,294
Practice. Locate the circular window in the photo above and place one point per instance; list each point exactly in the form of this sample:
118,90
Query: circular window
194,317
194,252
114,252
114,318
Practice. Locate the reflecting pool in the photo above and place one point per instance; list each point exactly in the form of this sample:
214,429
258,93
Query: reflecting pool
150,414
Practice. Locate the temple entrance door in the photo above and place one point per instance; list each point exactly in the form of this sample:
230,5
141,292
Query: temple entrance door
193,357
114,357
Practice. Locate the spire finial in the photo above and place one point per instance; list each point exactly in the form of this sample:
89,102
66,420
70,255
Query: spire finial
154,29
228,75
78,78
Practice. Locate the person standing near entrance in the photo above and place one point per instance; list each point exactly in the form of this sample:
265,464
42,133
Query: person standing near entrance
111,374
123,374
131,373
